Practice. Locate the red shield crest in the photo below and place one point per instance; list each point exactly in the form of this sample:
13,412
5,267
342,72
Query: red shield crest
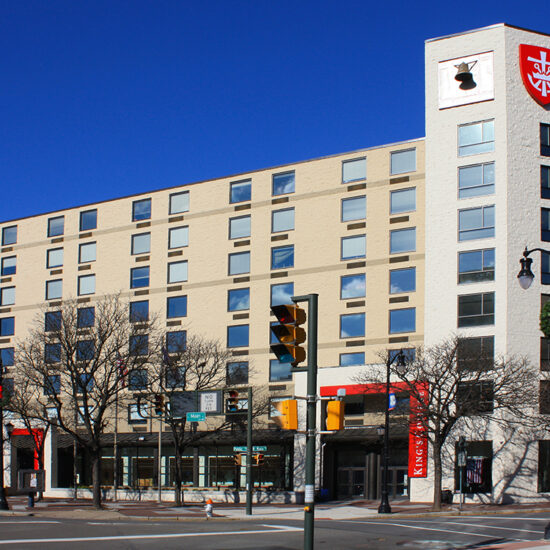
534,64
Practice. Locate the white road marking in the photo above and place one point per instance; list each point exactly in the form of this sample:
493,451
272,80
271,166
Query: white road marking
429,529
26,521
495,527
282,529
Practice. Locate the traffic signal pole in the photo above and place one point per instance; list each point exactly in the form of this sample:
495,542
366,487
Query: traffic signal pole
249,455
309,509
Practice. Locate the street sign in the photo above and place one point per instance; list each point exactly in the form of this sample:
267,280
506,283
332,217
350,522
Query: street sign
255,449
195,416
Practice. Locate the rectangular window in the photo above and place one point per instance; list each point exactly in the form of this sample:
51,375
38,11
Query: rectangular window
544,467
403,200
403,161
545,224
237,336
282,257
7,296
86,284
85,350
87,253
137,413
240,191
7,357
545,268
475,354
176,306
281,294
175,341
352,325
354,208
353,286
354,170
279,371
282,220
141,210
175,377
179,202
54,289
237,373
402,320
56,226
283,183
238,299
473,398
177,272
85,383
352,359
141,243
139,277
178,237
137,380
9,265
54,257
239,227
545,140
476,309
52,321
239,263
403,280
88,220
353,247
138,345
476,223
545,182
9,235
52,353
403,240
476,266
52,384
476,138
85,317
477,180
7,326
139,311
477,475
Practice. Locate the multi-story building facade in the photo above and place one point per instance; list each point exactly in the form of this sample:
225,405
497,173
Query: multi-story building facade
405,244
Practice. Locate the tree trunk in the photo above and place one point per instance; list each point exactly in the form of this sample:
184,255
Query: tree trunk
177,477
96,478
437,476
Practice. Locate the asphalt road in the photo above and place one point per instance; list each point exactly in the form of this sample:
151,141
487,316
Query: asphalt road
435,533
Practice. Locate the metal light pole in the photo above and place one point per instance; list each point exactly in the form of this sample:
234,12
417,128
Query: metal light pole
526,276
3,500
385,507
249,454
461,455
309,509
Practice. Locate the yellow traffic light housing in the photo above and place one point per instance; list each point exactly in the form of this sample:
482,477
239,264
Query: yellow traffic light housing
335,415
289,334
238,457
287,418
259,459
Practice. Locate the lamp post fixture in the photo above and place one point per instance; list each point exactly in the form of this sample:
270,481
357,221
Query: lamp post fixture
399,360
3,500
525,275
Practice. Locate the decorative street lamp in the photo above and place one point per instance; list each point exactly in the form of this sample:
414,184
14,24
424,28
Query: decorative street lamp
399,360
3,500
525,275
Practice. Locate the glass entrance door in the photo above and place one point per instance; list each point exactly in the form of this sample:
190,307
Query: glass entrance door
351,483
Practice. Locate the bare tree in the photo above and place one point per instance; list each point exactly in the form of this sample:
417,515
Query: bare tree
72,364
187,368
453,381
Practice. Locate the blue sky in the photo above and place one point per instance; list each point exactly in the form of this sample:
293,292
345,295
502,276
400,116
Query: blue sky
109,98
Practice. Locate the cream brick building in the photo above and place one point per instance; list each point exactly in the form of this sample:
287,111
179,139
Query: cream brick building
387,236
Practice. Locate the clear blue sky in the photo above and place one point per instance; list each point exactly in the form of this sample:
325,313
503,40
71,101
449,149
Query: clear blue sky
109,98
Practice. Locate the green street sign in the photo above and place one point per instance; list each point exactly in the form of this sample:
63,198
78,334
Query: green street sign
195,416
239,449
255,449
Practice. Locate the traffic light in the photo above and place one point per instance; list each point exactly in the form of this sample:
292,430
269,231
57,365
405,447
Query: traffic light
233,401
258,459
237,457
159,404
287,418
335,415
289,334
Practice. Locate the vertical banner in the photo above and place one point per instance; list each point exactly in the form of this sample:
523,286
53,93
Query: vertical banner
418,438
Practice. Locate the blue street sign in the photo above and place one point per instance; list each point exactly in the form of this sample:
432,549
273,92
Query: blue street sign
195,416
